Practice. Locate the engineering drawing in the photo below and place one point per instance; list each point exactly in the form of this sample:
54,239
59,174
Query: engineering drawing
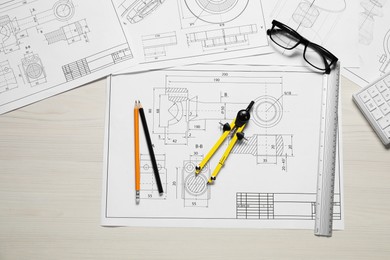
186,107
7,77
268,148
268,206
234,36
385,58
372,8
148,184
33,69
155,45
136,11
7,6
195,191
218,12
58,45
15,29
180,115
70,33
315,18
93,63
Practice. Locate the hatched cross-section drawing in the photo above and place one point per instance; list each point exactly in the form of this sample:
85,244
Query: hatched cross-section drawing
268,148
195,191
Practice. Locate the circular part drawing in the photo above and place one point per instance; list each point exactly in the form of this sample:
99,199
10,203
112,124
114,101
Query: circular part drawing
216,11
189,167
267,111
63,10
195,185
34,70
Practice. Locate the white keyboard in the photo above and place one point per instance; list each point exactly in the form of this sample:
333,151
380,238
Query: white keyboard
374,102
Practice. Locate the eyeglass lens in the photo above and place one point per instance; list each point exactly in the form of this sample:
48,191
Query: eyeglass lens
315,58
284,39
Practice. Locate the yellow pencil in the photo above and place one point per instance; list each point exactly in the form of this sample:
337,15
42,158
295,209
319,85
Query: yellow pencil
136,152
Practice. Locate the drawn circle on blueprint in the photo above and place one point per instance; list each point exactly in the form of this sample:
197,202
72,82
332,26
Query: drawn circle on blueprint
267,111
195,185
189,167
216,11
5,33
63,10
34,70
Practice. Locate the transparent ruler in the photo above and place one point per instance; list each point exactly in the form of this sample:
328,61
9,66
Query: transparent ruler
327,154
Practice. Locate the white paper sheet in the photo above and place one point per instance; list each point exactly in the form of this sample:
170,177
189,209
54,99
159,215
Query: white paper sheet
170,33
374,42
269,180
47,47
331,24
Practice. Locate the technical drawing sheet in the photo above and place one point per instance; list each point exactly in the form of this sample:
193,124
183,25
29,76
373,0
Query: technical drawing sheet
47,47
177,32
331,24
269,179
374,42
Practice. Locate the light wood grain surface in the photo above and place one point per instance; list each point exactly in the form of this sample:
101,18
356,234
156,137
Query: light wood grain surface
50,190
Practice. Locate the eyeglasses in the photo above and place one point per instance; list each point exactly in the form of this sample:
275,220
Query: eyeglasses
287,38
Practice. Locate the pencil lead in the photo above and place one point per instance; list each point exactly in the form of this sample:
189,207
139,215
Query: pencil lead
137,197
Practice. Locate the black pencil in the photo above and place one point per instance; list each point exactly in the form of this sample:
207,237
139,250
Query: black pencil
150,147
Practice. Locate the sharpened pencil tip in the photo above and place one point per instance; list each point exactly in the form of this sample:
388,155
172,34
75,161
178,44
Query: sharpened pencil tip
137,197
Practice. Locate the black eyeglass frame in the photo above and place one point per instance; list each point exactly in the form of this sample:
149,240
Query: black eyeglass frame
326,55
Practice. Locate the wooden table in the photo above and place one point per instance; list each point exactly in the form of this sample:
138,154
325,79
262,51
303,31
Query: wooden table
51,157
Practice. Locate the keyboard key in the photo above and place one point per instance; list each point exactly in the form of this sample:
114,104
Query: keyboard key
377,113
387,81
379,100
385,108
374,101
365,97
370,105
386,95
387,132
384,122
381,86
373,91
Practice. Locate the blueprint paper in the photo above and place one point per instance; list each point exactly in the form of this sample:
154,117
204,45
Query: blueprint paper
177,32
269,180
47,47
331,24
374,42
